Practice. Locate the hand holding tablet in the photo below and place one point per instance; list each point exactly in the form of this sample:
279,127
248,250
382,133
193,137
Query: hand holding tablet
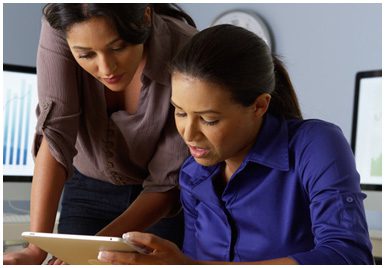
80,249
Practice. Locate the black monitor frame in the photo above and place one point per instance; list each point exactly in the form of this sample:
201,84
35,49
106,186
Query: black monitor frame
23,69
359,76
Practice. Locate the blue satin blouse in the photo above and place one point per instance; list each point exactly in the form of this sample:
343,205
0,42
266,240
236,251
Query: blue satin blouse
296,194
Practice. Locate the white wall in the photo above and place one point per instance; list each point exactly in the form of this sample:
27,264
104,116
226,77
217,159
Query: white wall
21,30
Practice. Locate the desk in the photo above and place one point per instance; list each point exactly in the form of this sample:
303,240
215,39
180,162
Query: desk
376,239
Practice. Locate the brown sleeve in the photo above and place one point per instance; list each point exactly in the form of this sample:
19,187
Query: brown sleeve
58,111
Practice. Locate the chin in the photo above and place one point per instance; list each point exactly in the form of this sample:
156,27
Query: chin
206,162
114,88
117,87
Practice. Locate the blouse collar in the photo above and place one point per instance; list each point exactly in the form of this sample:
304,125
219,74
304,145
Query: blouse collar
271,148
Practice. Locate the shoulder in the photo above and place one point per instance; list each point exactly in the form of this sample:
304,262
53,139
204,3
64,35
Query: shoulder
167,38
178,27
313,130
180,31
322,157
50,37
52,43
317,144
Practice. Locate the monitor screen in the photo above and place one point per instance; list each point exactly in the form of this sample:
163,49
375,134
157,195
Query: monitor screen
19,121
366,133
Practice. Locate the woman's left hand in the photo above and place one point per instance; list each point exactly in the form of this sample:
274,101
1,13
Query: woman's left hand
160,251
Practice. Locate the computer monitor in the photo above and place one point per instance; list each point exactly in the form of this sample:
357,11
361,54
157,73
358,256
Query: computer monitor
19,119
366,132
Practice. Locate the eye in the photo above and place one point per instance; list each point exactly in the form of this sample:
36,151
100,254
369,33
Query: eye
209,122
86,56
119,47
180,114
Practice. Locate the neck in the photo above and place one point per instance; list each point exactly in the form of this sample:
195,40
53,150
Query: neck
132,91
230,168
233,163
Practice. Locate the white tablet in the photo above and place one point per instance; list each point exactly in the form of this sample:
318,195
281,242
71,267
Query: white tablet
76,249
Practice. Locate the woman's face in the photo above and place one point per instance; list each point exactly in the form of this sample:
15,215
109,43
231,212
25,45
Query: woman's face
214,127
98,48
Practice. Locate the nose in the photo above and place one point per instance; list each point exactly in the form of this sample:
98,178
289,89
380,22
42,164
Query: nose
190,131
107,66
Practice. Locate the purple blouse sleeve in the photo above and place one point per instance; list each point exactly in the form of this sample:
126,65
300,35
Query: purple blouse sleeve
330,179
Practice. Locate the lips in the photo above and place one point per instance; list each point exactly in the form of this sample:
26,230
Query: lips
198,152
113,79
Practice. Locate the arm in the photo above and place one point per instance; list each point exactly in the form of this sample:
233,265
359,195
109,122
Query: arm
47,185
331,182
147,209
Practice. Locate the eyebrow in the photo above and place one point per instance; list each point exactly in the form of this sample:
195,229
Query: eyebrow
87,48
198,112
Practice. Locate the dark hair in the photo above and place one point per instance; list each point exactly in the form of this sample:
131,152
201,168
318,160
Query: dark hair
128,18
242,63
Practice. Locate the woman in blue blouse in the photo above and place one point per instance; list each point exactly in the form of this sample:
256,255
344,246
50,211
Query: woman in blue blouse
263,186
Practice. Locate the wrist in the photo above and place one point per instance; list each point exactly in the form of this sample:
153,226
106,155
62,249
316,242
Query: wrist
37,252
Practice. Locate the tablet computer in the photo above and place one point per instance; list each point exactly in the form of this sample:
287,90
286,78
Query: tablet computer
76,249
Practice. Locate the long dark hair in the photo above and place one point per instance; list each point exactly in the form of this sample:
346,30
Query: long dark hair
128,18
242,63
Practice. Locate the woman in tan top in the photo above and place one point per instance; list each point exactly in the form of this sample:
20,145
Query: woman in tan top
106,132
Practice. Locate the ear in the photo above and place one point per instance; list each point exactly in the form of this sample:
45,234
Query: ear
147,18
261,104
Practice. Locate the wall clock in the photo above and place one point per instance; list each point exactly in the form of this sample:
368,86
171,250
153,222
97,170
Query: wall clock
248,20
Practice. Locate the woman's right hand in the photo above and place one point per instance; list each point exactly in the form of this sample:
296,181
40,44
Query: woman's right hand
28,255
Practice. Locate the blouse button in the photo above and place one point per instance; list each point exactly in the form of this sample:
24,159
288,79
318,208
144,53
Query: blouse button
349,199
110,164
